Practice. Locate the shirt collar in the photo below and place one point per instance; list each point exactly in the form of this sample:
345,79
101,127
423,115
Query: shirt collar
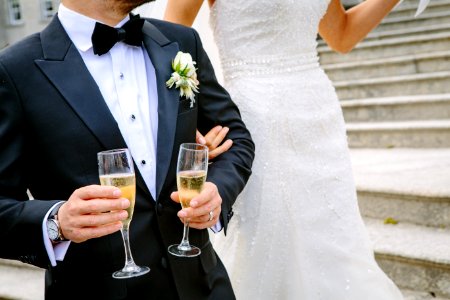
79,27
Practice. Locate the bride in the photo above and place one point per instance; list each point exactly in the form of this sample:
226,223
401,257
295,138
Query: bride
297,232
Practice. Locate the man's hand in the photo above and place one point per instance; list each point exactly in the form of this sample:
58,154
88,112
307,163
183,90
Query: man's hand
92,211
198,214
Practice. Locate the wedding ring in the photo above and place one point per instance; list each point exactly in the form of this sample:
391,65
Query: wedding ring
211,216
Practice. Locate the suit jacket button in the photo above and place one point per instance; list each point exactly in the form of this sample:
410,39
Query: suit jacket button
159,209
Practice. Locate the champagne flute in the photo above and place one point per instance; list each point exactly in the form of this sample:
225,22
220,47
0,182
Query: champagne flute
191,175
115,168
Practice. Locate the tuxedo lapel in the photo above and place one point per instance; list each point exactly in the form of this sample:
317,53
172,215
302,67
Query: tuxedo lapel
65,69
162,52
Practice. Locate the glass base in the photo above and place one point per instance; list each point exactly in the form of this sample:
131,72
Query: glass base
181,251
130,271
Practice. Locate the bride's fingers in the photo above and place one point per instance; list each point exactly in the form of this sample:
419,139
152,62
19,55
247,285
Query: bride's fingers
211,135
215,138
221,149
199,138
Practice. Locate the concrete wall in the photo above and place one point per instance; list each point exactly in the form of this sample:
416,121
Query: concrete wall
32,21
3,40
351,2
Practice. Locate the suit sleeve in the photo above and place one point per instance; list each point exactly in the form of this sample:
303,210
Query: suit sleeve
231,170
20,218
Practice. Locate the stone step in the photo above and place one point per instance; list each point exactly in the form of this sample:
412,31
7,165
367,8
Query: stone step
409,31
425,19
414,257
407,134
415,295
426,210
409,9
407,185
390,47
429,211
416,2
411,84
400,108
403,32
428,62
21,281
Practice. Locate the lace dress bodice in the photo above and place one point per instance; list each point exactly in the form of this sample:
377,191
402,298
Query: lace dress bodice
266,36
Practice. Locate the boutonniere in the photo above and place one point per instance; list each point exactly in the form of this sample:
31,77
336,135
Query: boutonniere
184,76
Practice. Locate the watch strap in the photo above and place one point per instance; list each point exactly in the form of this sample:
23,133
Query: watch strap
54,215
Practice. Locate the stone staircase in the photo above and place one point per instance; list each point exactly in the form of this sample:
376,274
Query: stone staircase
395,93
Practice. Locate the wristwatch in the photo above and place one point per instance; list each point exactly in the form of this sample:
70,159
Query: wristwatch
53,229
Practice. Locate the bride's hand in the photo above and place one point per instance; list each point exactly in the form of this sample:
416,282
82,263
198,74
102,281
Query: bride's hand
213,140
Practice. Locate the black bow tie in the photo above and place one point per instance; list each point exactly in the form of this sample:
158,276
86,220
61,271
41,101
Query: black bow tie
105,37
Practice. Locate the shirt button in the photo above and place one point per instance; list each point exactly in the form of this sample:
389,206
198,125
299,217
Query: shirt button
133,117
143,162
121,75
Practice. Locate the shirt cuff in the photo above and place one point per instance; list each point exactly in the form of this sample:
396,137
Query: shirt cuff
218,227
54,251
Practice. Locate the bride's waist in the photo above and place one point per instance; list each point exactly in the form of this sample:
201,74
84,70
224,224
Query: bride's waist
270,64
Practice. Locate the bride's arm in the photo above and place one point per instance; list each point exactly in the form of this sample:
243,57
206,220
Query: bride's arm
342,30
183,11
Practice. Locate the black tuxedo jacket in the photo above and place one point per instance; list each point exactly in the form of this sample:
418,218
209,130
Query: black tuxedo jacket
53,121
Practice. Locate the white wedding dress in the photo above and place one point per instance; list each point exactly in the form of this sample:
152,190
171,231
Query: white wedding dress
297,232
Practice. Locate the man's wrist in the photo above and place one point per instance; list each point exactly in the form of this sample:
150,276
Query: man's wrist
53,226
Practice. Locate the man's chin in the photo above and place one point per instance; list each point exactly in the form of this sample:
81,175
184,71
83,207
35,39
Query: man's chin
138,3
129,5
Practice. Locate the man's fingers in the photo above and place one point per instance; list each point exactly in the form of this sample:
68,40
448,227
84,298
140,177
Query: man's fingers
101,219
208,200
201,223
97,191
208,193
102,205
175,197
79,235
205,218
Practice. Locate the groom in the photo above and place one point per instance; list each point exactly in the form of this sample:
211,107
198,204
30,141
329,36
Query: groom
64,97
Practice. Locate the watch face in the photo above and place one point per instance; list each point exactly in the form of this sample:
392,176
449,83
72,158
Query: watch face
52,230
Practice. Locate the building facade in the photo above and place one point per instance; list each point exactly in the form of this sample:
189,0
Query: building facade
19,18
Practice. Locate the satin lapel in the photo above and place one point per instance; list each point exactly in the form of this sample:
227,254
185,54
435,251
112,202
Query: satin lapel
65,69
161,52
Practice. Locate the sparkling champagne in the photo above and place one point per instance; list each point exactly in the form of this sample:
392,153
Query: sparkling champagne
127,184
190,184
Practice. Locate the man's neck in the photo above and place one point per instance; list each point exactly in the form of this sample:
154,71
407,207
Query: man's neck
109,12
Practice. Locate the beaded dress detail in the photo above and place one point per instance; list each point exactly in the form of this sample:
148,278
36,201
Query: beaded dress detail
297,232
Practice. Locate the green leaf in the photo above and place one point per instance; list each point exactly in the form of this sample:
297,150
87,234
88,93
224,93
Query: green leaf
390,221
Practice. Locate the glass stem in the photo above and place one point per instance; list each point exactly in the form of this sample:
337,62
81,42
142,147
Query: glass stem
184,245
126,242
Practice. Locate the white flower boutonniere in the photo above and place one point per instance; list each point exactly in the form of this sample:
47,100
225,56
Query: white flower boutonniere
184,76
